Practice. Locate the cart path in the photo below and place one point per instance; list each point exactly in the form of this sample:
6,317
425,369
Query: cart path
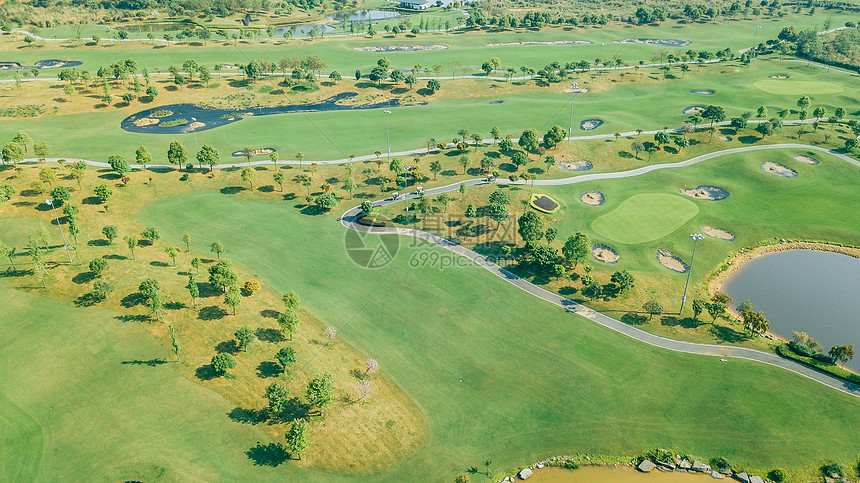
348,219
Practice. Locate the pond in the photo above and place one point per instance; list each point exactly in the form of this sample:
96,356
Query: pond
340,21
590,474
804,290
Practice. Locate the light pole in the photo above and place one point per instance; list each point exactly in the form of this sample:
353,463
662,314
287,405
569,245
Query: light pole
406,187
599,59
753,49
574,88
696,237
50,203
193,119
387,134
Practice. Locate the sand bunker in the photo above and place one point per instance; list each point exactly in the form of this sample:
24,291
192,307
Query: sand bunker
589,124
720,233
496,102
659,42
724,138
603,253
702,92
778,169
146,121
706,192
400,48
671,261
593,198
579,90
41,64
576,165
195,125
693,109
805,159
778,76
548,42
256,152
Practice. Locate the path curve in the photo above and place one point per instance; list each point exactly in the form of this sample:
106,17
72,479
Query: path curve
348,220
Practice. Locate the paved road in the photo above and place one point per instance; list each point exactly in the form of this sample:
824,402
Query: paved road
348,219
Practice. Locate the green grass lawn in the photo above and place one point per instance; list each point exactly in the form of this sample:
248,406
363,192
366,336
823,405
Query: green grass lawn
645,217
332,135
503,375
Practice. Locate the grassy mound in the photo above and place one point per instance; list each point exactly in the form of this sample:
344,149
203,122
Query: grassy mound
645,217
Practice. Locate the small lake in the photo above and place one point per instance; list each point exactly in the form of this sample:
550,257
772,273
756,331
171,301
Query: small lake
341,21
592,474
804,290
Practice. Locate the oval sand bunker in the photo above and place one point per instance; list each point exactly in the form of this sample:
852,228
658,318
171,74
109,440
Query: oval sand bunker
778,169
593,198
671,261
693,109
604,253
706,192
805,159
589,124
575,165
720,233
702,92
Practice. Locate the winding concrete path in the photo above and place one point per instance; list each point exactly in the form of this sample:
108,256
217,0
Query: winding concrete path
348,219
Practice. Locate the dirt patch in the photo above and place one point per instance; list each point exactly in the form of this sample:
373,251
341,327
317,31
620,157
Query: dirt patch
693,109
805,159
195,125
724,138
778,169
671,261
576,165
706,192
548,42
146,121
593,198
400,48
589,124
604,253
720,233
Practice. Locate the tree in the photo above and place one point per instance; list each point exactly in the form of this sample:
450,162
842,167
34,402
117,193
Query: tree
576,248
286,357
297,438
244,336
320,391
208,156
279,178
593,290
326,201
249,176
842,353
102,289
278,397
765,129
142,156
661,138
150,234
150,288
499,197
623,280
289,322
22,139
177,155
41,150
131,242
433,86
98,266
8,251
435,168
653,308
714,114
193,289
221,275
110,232
715,309
529,140
698,307
60,195
554,136
681,142
819,112
519,158
233,297
350,185
12,152
530,227
638,146
217,248
119,164
195,262
172,252
803,102
151,92
223,361
465,161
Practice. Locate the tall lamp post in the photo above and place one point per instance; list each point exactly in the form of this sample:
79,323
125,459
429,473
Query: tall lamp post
696,237
406,187
388,134
574,87
755,45
50,203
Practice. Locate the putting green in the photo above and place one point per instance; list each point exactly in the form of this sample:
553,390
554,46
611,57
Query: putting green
645,217
787,86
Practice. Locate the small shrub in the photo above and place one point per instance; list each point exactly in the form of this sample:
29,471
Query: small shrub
659,455
777,475
833,468
824,358
720,464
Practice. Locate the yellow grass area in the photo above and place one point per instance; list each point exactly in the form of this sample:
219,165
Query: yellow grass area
354,437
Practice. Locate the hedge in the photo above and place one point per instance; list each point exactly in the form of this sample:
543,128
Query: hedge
785,351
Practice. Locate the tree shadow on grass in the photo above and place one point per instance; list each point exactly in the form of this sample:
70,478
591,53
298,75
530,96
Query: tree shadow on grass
98,242
133,318
633,318
269,313
228,346
133,299
248,416
84,277
86,300
232,190
206,372
174,305
159,264
212,312
272,454
268,369
92,200
728,334
293,410
266,189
